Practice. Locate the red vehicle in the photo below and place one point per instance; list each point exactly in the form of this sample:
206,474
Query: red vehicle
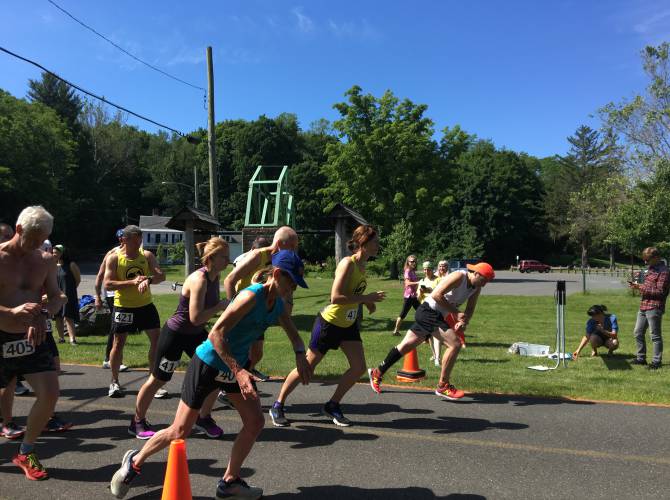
527,266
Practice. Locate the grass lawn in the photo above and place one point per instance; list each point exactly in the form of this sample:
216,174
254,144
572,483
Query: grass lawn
484,366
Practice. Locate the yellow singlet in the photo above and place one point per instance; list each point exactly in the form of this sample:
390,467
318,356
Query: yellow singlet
344,315
245,281
128,269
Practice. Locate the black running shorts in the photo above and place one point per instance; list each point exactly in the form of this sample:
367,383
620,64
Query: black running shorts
135,319
427,320
19,357
201,379
170,347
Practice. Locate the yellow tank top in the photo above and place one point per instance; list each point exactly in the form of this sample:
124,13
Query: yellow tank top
344,315
266,260
128,269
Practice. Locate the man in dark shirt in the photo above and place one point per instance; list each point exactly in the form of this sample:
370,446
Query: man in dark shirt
654,291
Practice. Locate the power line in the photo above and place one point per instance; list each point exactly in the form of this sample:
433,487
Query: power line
123,50
188,137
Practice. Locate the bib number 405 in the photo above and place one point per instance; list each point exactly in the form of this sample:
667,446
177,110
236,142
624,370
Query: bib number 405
17,349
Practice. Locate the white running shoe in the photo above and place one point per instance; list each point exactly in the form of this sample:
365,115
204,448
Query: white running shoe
115,390
120,483
161,394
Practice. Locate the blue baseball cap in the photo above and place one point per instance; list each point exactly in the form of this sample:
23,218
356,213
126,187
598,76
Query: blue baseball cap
119,234
290,263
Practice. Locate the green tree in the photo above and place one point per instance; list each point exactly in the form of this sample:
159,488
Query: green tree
385,164
644,120
497,212
58,95
37,152
592,158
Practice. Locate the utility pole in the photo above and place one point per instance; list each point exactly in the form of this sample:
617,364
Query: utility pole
195,187
213,182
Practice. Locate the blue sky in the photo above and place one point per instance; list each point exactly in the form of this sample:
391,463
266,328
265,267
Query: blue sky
525,74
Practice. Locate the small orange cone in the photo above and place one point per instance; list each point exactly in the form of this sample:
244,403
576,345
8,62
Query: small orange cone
177,485
410,368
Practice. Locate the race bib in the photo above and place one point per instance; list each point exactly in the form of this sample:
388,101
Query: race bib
351,314
17,349
167,365
225,377
123,318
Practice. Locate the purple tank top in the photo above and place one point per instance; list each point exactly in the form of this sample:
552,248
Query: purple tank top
180,321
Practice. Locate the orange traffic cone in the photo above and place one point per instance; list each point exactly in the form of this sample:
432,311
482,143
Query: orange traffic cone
177,485
410,368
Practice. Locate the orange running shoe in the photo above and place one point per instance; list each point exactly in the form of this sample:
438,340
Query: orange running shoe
448,391
375,380
31,466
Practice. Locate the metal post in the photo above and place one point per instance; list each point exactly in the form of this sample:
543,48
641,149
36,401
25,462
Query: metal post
195,187
189,249
211,137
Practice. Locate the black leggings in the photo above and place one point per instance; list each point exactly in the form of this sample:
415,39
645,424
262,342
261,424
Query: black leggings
407,304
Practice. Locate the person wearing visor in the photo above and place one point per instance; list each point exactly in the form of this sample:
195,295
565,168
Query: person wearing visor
430,319
222,362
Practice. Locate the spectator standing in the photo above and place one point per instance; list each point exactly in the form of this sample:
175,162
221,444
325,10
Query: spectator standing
68,278
654,292
410,294
426,285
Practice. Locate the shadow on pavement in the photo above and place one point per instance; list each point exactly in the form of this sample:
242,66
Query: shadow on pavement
309,436
518,400
353,493
444,425
356,409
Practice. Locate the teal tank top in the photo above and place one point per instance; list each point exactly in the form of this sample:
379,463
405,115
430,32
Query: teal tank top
245,332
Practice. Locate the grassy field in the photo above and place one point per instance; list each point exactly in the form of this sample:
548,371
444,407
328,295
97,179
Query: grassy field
484,366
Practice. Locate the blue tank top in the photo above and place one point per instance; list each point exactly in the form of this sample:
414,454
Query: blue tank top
245,332
180,321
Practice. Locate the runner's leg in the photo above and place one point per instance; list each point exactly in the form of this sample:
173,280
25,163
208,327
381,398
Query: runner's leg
253,422
353,350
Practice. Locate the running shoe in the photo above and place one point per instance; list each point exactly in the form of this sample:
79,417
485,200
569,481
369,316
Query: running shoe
223,399
141,429
655,365
237,488
278,417
161,394
107,366
73,342
61,341
375,379
333,411
121,479
262,377
55,424
448,391
115,390
21,389
31,466
12,431
209,427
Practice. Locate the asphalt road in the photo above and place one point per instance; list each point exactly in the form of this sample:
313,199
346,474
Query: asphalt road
405,444
506,283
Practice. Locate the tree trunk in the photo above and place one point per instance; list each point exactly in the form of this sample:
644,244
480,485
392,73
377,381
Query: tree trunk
585,259
393,270
612,266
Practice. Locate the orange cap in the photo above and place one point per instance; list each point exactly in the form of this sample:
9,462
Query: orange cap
484,269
